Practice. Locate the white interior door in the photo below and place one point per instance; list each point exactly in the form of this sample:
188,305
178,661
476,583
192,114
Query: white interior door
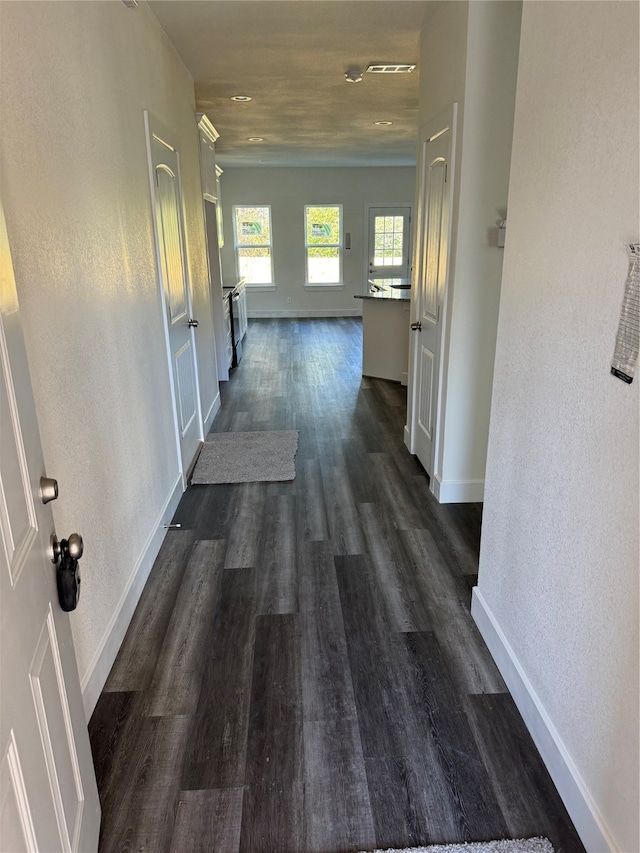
48,794
389,242
432,257
170,246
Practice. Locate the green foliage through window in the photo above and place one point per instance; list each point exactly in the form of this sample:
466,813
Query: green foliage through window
323,243
252,229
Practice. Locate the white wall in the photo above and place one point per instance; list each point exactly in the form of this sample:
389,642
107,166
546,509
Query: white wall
558,585
287,191
469,55
75,79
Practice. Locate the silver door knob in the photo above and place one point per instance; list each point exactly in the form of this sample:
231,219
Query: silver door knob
416,327
193,324
73,547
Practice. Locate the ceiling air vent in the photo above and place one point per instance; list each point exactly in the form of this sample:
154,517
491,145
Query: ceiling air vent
395,68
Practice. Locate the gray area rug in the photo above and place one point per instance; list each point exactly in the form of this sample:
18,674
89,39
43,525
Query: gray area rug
247,457
527,845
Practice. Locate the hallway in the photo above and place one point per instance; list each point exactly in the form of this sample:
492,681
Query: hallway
302,672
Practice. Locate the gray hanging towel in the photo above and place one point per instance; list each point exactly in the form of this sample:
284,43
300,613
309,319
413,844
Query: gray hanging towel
625,355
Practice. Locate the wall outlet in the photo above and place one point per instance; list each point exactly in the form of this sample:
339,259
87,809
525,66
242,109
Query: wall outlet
288,299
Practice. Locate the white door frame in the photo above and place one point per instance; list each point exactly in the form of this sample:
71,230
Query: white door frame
367,208
154,128
447,120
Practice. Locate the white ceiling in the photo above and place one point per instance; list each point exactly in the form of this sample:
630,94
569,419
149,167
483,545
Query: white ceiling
291,56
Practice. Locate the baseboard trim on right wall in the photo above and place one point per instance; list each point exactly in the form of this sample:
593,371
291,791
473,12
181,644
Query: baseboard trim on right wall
583,810
457,491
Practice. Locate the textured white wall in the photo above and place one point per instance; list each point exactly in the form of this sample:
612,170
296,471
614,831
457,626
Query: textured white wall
75,78
493,35
469,55
287,191
559,559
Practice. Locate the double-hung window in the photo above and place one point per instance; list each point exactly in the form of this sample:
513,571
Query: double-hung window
252,232
323,244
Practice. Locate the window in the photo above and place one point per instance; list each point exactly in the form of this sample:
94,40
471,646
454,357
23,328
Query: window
389,240
323,244
252,229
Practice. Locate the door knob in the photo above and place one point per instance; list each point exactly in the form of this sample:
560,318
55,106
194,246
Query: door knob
65,553
193,324
73,546
416,327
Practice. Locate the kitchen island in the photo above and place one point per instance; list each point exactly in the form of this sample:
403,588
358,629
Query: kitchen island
385,329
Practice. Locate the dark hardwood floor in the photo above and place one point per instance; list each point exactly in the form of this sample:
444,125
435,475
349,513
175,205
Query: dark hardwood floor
302,672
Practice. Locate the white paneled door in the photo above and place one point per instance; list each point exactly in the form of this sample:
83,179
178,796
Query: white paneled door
430,280
171,250
48,794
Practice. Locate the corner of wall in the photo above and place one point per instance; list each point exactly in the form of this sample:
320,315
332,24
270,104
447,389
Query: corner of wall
105,655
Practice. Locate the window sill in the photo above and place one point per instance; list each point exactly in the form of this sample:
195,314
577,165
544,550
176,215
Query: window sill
324,287
260,286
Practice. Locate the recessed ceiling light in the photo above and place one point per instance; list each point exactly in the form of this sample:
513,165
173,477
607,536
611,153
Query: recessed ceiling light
391,68
256,139
241,98
383,123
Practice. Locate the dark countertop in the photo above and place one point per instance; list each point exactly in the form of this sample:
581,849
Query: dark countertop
395,289
228,288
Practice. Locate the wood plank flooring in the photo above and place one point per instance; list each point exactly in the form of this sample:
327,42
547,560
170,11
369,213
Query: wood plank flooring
302,673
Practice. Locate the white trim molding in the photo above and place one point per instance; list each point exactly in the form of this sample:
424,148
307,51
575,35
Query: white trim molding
207,128
578,800
305,312
456,491
211,414
100,667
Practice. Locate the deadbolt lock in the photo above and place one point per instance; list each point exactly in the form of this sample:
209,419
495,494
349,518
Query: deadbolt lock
48,489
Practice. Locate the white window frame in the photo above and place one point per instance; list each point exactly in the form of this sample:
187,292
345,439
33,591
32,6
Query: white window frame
340,246
238,245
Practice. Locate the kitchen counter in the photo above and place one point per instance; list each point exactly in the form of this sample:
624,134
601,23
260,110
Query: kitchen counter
385,329
397,289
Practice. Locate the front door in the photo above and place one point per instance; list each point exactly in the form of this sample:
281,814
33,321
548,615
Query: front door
389,242
170,246
432,256
48,794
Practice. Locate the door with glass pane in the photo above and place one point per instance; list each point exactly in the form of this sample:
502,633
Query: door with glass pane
389,242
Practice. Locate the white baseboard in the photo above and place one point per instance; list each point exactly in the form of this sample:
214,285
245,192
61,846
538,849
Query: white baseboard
457,491
99,668
213,411
587,818
407,438
305,312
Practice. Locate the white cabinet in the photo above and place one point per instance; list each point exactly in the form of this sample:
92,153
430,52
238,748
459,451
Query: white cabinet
227,328
242,308
208,135
219,207
209,174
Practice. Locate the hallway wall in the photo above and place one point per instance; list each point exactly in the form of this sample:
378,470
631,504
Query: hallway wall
287,191
469,55
558,587
75,79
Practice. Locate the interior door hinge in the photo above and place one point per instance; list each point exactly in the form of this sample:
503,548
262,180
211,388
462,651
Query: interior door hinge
446,171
